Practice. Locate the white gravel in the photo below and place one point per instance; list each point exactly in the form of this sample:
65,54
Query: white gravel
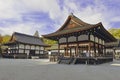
42,69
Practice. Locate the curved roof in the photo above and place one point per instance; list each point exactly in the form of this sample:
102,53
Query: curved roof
27,39
74,24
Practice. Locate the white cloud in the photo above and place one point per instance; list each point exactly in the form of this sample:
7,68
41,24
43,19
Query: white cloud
14,9
51,7
15,28
93,14
7,9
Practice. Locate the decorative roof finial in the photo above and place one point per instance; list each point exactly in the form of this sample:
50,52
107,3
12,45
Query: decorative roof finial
71,14
36,34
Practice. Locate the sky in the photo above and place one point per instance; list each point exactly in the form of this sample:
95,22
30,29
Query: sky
46,16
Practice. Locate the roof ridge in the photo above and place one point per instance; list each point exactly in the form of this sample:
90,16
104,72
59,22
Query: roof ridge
77,21
81,21
25,34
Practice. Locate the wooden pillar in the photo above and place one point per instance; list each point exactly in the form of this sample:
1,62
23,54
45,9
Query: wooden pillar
58,49
36,50
65,51
18,47
104,50
94,46
89,46
24,48
98,47
77,53
15,49
29,51
70,53
102,47
39,50
67,46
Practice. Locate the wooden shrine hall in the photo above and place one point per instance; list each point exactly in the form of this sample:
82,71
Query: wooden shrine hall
81,40
25,46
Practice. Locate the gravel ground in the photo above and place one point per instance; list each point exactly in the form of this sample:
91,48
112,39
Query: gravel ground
41,69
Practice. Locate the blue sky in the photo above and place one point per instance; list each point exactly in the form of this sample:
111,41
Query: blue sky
46,16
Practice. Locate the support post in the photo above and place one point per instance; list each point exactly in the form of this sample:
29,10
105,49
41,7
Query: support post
94,46
58,49
67,46
89,46
77,45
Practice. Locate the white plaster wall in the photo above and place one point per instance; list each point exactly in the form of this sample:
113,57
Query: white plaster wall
41,52
21,51
41,48
32,47
37,47
91,37
37,52
100,41
62,40
21,46
103,42
82,37
12,47
117,51
109,50
96,39
72,39
54,50
27,47
27,52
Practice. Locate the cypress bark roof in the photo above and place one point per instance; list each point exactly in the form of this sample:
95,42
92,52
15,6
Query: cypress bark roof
74,24
26,39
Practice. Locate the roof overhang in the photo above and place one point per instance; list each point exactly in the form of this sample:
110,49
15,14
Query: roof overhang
107,36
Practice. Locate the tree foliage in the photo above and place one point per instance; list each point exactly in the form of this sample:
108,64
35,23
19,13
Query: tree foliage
1,39
5,38
115,32
48,41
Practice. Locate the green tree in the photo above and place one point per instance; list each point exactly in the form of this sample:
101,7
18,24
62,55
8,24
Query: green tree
1,39
49,42
6,38
115,32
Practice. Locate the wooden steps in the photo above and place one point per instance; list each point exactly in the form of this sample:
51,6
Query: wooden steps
85,60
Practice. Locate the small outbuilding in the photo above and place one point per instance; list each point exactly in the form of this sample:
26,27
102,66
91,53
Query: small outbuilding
25,46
